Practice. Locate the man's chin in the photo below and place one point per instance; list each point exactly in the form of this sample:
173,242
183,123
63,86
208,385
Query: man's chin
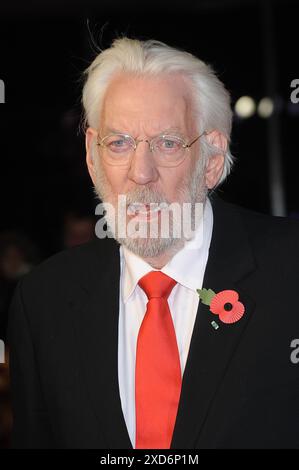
149,247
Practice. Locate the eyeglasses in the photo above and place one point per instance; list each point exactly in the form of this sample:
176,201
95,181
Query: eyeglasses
168,150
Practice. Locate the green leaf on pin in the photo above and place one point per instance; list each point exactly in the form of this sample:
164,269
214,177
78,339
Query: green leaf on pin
206,295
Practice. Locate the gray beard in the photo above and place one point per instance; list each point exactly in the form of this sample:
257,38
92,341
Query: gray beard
192,190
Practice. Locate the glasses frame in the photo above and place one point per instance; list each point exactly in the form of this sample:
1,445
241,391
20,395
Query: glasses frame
150,142
186,145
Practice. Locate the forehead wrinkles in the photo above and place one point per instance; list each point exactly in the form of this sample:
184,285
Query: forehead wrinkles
132,123
159,105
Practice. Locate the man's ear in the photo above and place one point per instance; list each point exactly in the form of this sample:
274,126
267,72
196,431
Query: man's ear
215,163
90,137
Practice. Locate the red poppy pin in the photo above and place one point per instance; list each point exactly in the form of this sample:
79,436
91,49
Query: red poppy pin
225,304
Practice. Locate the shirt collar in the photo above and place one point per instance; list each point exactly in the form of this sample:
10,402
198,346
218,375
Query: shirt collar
186,266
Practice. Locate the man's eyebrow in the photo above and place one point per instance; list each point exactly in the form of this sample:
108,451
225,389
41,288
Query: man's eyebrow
167,130
108,130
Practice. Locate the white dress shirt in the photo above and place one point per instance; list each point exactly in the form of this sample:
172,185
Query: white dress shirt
187,267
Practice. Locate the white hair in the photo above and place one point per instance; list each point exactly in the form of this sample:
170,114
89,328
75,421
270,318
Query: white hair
152,58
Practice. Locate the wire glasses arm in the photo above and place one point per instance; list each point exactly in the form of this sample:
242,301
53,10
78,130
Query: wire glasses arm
193,141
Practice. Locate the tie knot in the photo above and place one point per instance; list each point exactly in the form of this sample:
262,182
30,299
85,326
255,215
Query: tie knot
157,284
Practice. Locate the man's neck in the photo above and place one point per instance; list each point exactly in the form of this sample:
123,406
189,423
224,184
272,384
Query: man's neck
161,260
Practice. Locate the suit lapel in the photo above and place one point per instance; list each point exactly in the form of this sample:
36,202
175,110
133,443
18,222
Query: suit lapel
210,353
96,313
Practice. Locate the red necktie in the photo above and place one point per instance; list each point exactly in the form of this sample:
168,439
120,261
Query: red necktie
158,376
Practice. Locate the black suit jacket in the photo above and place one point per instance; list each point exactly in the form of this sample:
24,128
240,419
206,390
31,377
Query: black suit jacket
240,388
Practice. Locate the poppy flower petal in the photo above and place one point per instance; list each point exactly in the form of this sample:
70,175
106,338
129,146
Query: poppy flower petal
220,299
233,315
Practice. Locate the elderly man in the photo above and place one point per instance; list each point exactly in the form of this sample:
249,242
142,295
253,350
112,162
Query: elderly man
145,340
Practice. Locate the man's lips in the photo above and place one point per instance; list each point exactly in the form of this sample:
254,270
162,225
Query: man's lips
145,209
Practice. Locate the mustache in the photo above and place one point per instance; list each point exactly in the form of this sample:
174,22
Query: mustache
145,196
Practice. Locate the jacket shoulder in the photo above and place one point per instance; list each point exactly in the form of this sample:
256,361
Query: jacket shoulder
71,266
257,222
269,235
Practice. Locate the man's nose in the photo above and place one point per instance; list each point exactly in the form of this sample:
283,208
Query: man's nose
143,169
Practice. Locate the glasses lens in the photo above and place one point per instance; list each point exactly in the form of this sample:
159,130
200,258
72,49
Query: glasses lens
118,143
117,148
168,150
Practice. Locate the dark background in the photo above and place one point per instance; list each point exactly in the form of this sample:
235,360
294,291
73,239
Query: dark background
44,48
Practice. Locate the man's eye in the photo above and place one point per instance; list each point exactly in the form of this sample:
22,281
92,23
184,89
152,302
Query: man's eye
169,144
117,143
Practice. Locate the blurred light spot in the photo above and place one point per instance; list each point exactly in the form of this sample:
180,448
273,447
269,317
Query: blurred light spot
265,108
245,107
